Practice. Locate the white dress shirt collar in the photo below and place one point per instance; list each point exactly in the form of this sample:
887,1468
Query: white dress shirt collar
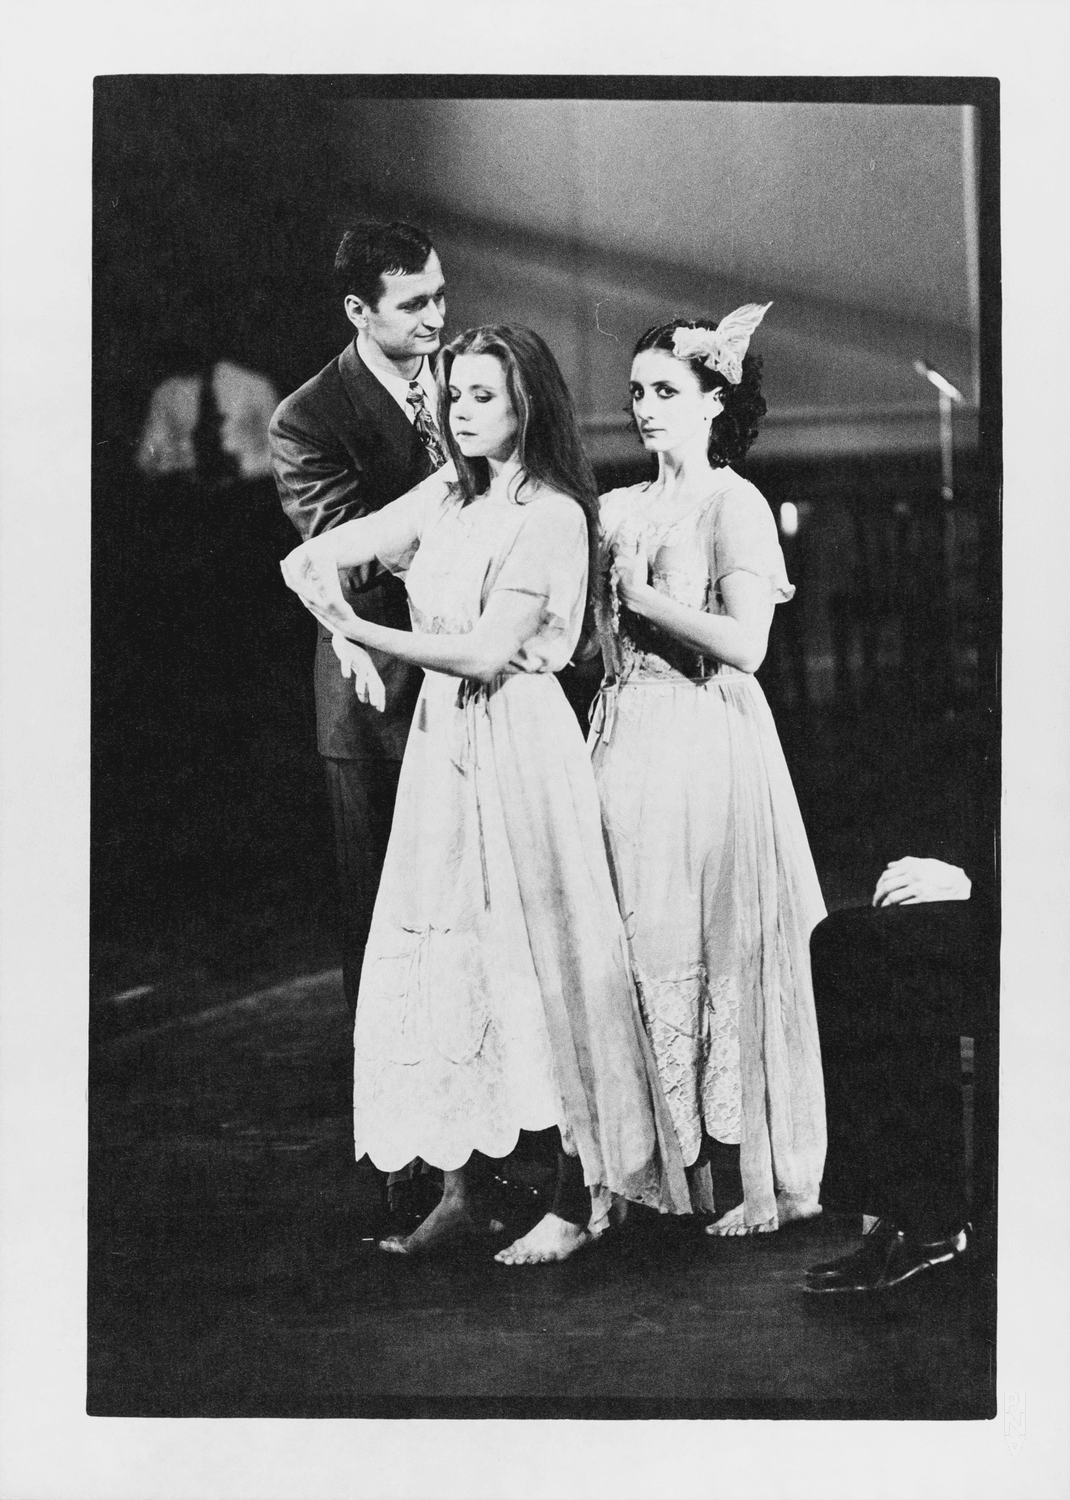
398,387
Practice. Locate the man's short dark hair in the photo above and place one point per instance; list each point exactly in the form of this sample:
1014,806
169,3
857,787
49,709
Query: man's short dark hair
370,251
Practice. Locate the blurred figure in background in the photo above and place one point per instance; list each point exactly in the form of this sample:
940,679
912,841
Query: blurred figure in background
710,858
244,402
189,703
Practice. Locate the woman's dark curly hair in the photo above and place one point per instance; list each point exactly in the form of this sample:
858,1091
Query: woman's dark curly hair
735,429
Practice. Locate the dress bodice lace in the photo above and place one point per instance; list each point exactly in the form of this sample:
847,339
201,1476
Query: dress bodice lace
679,568
729,529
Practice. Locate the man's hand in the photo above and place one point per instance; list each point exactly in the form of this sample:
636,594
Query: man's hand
906,882
357,664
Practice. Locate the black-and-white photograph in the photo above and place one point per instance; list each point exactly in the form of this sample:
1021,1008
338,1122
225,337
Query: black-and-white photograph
545,785
535,797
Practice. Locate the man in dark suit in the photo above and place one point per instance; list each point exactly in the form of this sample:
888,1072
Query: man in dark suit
355,436
896,984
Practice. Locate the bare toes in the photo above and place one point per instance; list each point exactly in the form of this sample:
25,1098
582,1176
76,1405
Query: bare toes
733,1224
552,1239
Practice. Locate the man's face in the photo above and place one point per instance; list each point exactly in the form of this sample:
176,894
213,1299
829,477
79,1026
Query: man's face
407,322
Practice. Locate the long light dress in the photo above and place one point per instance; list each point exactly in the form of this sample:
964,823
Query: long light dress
710,858
496,993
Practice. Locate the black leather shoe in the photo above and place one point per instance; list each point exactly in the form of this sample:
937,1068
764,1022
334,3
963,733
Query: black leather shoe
860,1262
888,1258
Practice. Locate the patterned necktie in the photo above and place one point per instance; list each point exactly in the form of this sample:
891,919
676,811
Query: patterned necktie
429,433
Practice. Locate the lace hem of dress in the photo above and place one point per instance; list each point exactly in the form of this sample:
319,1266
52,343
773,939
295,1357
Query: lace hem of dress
694,1032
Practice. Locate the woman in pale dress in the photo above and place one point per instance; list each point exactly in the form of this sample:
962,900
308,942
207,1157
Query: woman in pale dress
710,859
496,994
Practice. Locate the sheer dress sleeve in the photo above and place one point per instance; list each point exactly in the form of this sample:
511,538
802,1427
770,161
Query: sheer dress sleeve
547,557
742,537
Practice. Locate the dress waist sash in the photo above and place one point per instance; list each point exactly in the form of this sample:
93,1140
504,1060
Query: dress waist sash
603,714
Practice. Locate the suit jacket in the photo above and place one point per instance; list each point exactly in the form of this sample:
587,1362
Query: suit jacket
341,447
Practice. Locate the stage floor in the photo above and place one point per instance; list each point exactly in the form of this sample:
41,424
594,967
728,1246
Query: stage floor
233,1271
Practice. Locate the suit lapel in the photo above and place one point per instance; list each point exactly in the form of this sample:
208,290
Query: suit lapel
376,409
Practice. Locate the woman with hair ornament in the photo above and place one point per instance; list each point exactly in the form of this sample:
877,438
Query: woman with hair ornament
710,858
496,994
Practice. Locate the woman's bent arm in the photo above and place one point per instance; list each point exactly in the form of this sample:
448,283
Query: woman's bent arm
738,638
509,619
345,546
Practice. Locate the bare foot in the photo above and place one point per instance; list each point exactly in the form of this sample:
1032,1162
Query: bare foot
789,1210
732,1223
551,1239
449,1223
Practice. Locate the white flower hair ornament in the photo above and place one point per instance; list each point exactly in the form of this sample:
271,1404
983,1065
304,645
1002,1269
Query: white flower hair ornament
721,348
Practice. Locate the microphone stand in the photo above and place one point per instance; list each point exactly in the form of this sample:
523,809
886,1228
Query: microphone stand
945,611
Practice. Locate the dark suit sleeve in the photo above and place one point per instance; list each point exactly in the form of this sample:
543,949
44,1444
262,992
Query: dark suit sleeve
320,483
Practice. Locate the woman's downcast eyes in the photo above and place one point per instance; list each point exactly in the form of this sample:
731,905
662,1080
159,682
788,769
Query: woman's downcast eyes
482,396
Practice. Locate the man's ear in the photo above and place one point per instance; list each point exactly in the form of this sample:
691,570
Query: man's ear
356,311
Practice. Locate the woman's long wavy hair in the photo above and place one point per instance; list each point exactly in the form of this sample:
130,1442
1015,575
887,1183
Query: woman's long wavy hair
548,446
734,430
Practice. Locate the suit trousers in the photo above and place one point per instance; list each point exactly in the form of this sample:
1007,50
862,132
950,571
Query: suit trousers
362,795
895,988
